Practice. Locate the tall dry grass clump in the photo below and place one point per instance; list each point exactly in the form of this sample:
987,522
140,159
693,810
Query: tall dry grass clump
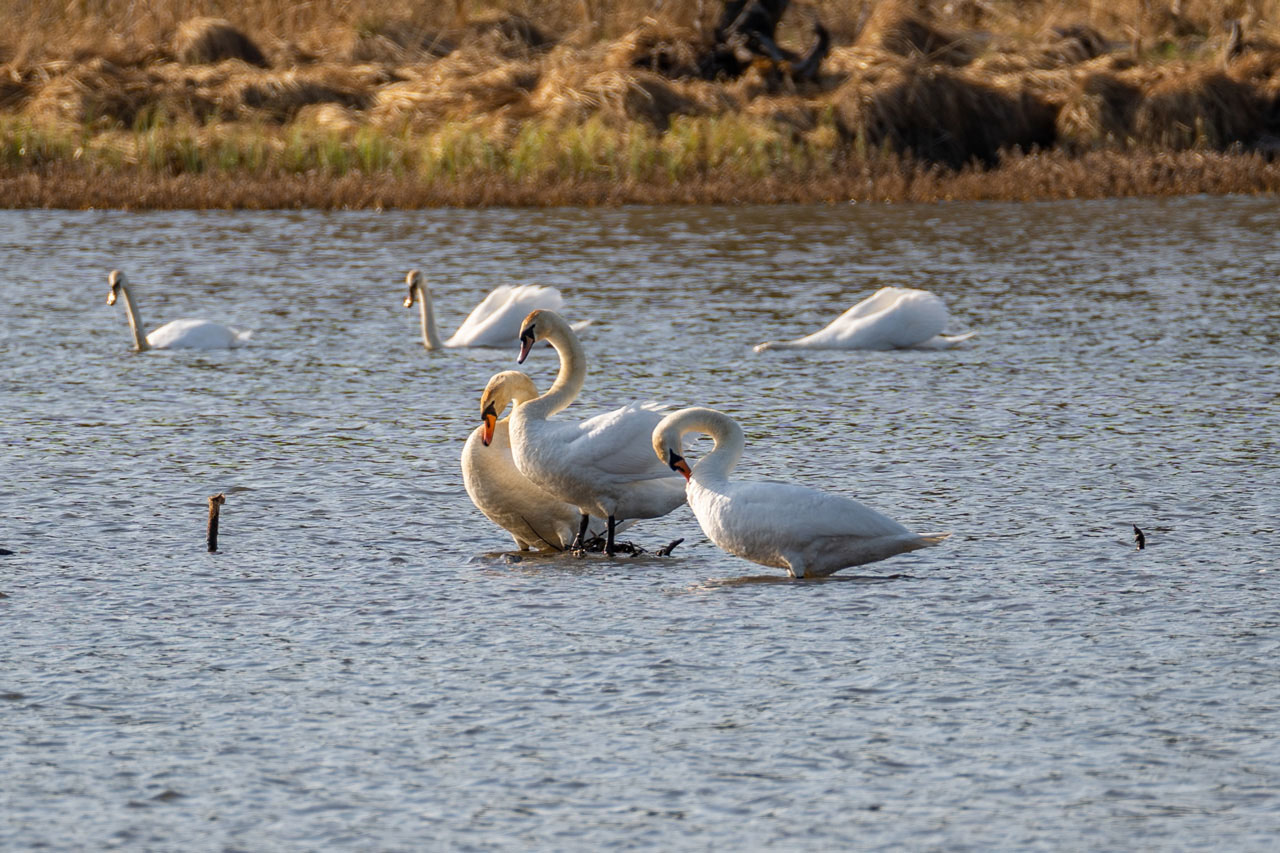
942,116
201,41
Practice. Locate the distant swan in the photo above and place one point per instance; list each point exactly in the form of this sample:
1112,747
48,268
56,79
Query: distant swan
891,318
807,532
535,519
495,322
178,334
602,465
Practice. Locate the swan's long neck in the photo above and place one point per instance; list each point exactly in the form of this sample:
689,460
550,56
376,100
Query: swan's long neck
569,381
135,322
427,317
728,437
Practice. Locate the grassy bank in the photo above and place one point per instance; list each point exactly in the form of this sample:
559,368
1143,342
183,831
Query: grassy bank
344,104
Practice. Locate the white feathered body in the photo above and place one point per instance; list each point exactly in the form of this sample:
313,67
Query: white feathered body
534,518
804,531
603,465
891,318
495,322
195,334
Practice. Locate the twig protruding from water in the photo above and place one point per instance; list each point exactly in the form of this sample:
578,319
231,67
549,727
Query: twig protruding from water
211,536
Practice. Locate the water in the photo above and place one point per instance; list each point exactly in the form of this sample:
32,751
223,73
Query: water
360,668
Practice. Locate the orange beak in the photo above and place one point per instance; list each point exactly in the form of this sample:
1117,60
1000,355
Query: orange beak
526,346
486,429
683,468
111,298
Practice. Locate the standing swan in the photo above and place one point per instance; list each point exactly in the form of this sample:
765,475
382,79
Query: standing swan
809,533
178,334
602,465
891,318
534,518
492,323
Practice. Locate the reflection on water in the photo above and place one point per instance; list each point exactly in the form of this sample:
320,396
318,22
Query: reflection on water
362,666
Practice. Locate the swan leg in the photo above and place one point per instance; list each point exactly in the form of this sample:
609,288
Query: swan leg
579,541
608,542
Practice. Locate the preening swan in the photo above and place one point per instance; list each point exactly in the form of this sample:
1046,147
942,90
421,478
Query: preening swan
494,322
602,465
178,334
535,519
891,318
807,532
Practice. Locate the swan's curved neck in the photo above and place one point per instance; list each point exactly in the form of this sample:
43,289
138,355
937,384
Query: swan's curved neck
427,316
729,441
569,381
135,322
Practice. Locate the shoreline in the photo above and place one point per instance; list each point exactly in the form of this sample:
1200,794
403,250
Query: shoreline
1048,176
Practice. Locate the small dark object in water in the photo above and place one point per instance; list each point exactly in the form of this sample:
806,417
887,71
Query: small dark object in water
1139,538
5,552
665,550
211,537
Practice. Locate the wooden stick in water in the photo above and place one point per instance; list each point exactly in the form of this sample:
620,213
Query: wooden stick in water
211,537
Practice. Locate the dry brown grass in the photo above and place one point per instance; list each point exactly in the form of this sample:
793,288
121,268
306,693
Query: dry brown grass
514,90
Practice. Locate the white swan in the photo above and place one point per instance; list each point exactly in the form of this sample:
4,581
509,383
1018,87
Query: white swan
494,322
178,334
603,465
891,318
807,532
535,519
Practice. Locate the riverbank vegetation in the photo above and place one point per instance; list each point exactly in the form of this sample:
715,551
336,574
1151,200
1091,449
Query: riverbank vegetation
355,103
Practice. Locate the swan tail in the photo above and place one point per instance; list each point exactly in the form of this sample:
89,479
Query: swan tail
928,540
580,325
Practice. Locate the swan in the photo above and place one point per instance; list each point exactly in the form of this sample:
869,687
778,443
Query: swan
178,334
601,465
535,519
891,318
807,532
494,322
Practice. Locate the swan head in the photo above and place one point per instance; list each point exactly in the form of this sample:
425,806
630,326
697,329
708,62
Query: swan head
540,325
667,445
413,280
531,331
505,388
115,279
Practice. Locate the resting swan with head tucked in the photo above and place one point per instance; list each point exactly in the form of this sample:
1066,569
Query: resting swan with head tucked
807,532
494,322
891,318
177,334
535,519
602,465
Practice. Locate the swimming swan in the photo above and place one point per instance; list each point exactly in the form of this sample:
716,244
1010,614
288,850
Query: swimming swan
535,519
178,334
807,532
891,318
494,322
602,465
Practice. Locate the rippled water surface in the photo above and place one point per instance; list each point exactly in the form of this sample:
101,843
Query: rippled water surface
361,668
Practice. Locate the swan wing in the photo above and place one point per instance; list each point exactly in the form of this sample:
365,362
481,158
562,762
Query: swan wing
790,511
496,320
904,318
620,443
195,334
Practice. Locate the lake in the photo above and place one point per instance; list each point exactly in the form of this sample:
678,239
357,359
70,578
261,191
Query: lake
363,666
